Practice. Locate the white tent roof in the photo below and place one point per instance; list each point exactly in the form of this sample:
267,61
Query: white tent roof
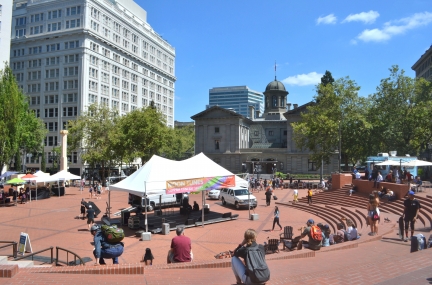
61,175
41,173
158,170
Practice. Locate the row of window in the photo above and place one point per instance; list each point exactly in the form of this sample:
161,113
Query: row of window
49,48
48,61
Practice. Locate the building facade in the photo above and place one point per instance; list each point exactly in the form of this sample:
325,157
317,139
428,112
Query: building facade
5,30
71,54
265,143
423,66
237,98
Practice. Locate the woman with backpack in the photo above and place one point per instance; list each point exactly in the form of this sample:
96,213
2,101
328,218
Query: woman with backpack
254,270
276,218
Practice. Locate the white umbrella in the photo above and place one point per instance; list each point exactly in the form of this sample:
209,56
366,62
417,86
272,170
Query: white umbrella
417,162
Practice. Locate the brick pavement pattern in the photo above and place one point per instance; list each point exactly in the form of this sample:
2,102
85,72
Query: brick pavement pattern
54,222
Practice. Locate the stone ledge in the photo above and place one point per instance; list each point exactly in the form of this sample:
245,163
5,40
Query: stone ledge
8,271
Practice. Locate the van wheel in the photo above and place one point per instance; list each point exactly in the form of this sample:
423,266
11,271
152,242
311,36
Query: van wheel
223,201
237,205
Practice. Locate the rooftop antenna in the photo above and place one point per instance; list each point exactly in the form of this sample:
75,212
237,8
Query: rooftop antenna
275,70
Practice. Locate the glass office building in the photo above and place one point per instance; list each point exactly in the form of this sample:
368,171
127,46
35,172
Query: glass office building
237,98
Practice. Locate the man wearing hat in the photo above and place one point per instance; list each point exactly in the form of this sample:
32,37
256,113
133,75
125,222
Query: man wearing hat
411,210
103,249
313,244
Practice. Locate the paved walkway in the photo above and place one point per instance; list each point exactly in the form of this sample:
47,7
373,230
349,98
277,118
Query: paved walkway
53,222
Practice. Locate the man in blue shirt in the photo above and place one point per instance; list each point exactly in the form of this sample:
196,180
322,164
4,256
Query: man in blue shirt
103,249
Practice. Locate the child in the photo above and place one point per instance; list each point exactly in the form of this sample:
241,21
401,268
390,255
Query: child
91,191
148,257
295,194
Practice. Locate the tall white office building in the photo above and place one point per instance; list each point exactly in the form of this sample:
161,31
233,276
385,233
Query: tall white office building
5,30
67,55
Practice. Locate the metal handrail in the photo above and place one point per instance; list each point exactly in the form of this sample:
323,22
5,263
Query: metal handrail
34,253
67,256
10,243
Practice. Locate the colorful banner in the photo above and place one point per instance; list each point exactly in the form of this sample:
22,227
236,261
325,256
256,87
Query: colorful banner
199,184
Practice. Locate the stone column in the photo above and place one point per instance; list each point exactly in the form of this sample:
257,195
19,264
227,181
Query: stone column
63,157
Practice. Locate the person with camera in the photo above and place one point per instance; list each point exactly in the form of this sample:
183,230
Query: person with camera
103,248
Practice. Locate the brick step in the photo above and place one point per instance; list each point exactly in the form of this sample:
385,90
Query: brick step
330,220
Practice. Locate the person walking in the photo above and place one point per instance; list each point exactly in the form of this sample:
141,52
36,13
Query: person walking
83,209
309,196
268,194
411,211
90,191
295,194
90,216
276,218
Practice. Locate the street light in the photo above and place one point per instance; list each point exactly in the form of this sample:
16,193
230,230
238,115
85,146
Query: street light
340,148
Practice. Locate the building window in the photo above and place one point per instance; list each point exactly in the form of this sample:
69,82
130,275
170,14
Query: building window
311,165
271,133
216,144
285,133
216,129
73,11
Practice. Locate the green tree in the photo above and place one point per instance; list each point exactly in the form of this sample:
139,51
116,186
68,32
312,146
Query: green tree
92,133
179,143
327,78
401,114
337,105
143,133
20,130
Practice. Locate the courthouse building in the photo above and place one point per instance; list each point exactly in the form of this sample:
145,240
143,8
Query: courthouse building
67,55
265,142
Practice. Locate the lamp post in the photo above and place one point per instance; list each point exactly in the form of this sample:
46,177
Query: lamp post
340,147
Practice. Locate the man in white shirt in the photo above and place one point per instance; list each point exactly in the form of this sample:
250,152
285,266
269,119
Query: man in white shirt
295,194
379,179
358,175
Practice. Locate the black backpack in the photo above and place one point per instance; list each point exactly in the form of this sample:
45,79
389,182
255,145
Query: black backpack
256,266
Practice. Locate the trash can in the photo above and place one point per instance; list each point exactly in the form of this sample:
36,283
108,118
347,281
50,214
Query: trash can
165,228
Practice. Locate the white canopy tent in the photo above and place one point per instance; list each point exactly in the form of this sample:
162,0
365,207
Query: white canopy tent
151,178
158,170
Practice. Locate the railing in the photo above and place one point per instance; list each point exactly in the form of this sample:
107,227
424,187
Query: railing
34,253
10,243
67,257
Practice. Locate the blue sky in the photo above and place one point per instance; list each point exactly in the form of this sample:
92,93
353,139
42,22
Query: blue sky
230,43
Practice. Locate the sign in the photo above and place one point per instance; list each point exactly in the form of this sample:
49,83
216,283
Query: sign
199,184
24,244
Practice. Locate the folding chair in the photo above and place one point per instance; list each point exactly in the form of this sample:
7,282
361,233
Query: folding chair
272,246
286,235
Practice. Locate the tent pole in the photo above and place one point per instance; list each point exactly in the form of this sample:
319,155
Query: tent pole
109,205
145,206
203,204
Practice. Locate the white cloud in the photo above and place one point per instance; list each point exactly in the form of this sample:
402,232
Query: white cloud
365,17
311,78
329,19
396,27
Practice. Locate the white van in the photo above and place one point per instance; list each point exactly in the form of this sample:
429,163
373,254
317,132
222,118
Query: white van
153,201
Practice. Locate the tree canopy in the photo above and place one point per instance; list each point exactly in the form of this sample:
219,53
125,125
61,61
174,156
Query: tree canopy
397,117
20,129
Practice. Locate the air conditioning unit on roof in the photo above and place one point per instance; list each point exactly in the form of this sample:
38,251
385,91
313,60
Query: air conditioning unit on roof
383,154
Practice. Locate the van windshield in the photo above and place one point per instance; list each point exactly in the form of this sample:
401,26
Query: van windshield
241,192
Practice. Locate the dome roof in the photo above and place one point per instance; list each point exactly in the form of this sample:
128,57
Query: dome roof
275,85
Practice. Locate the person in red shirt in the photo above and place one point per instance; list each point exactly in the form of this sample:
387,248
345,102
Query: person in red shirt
181,248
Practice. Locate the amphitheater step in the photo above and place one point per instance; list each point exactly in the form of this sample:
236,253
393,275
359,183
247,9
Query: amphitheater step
22,263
